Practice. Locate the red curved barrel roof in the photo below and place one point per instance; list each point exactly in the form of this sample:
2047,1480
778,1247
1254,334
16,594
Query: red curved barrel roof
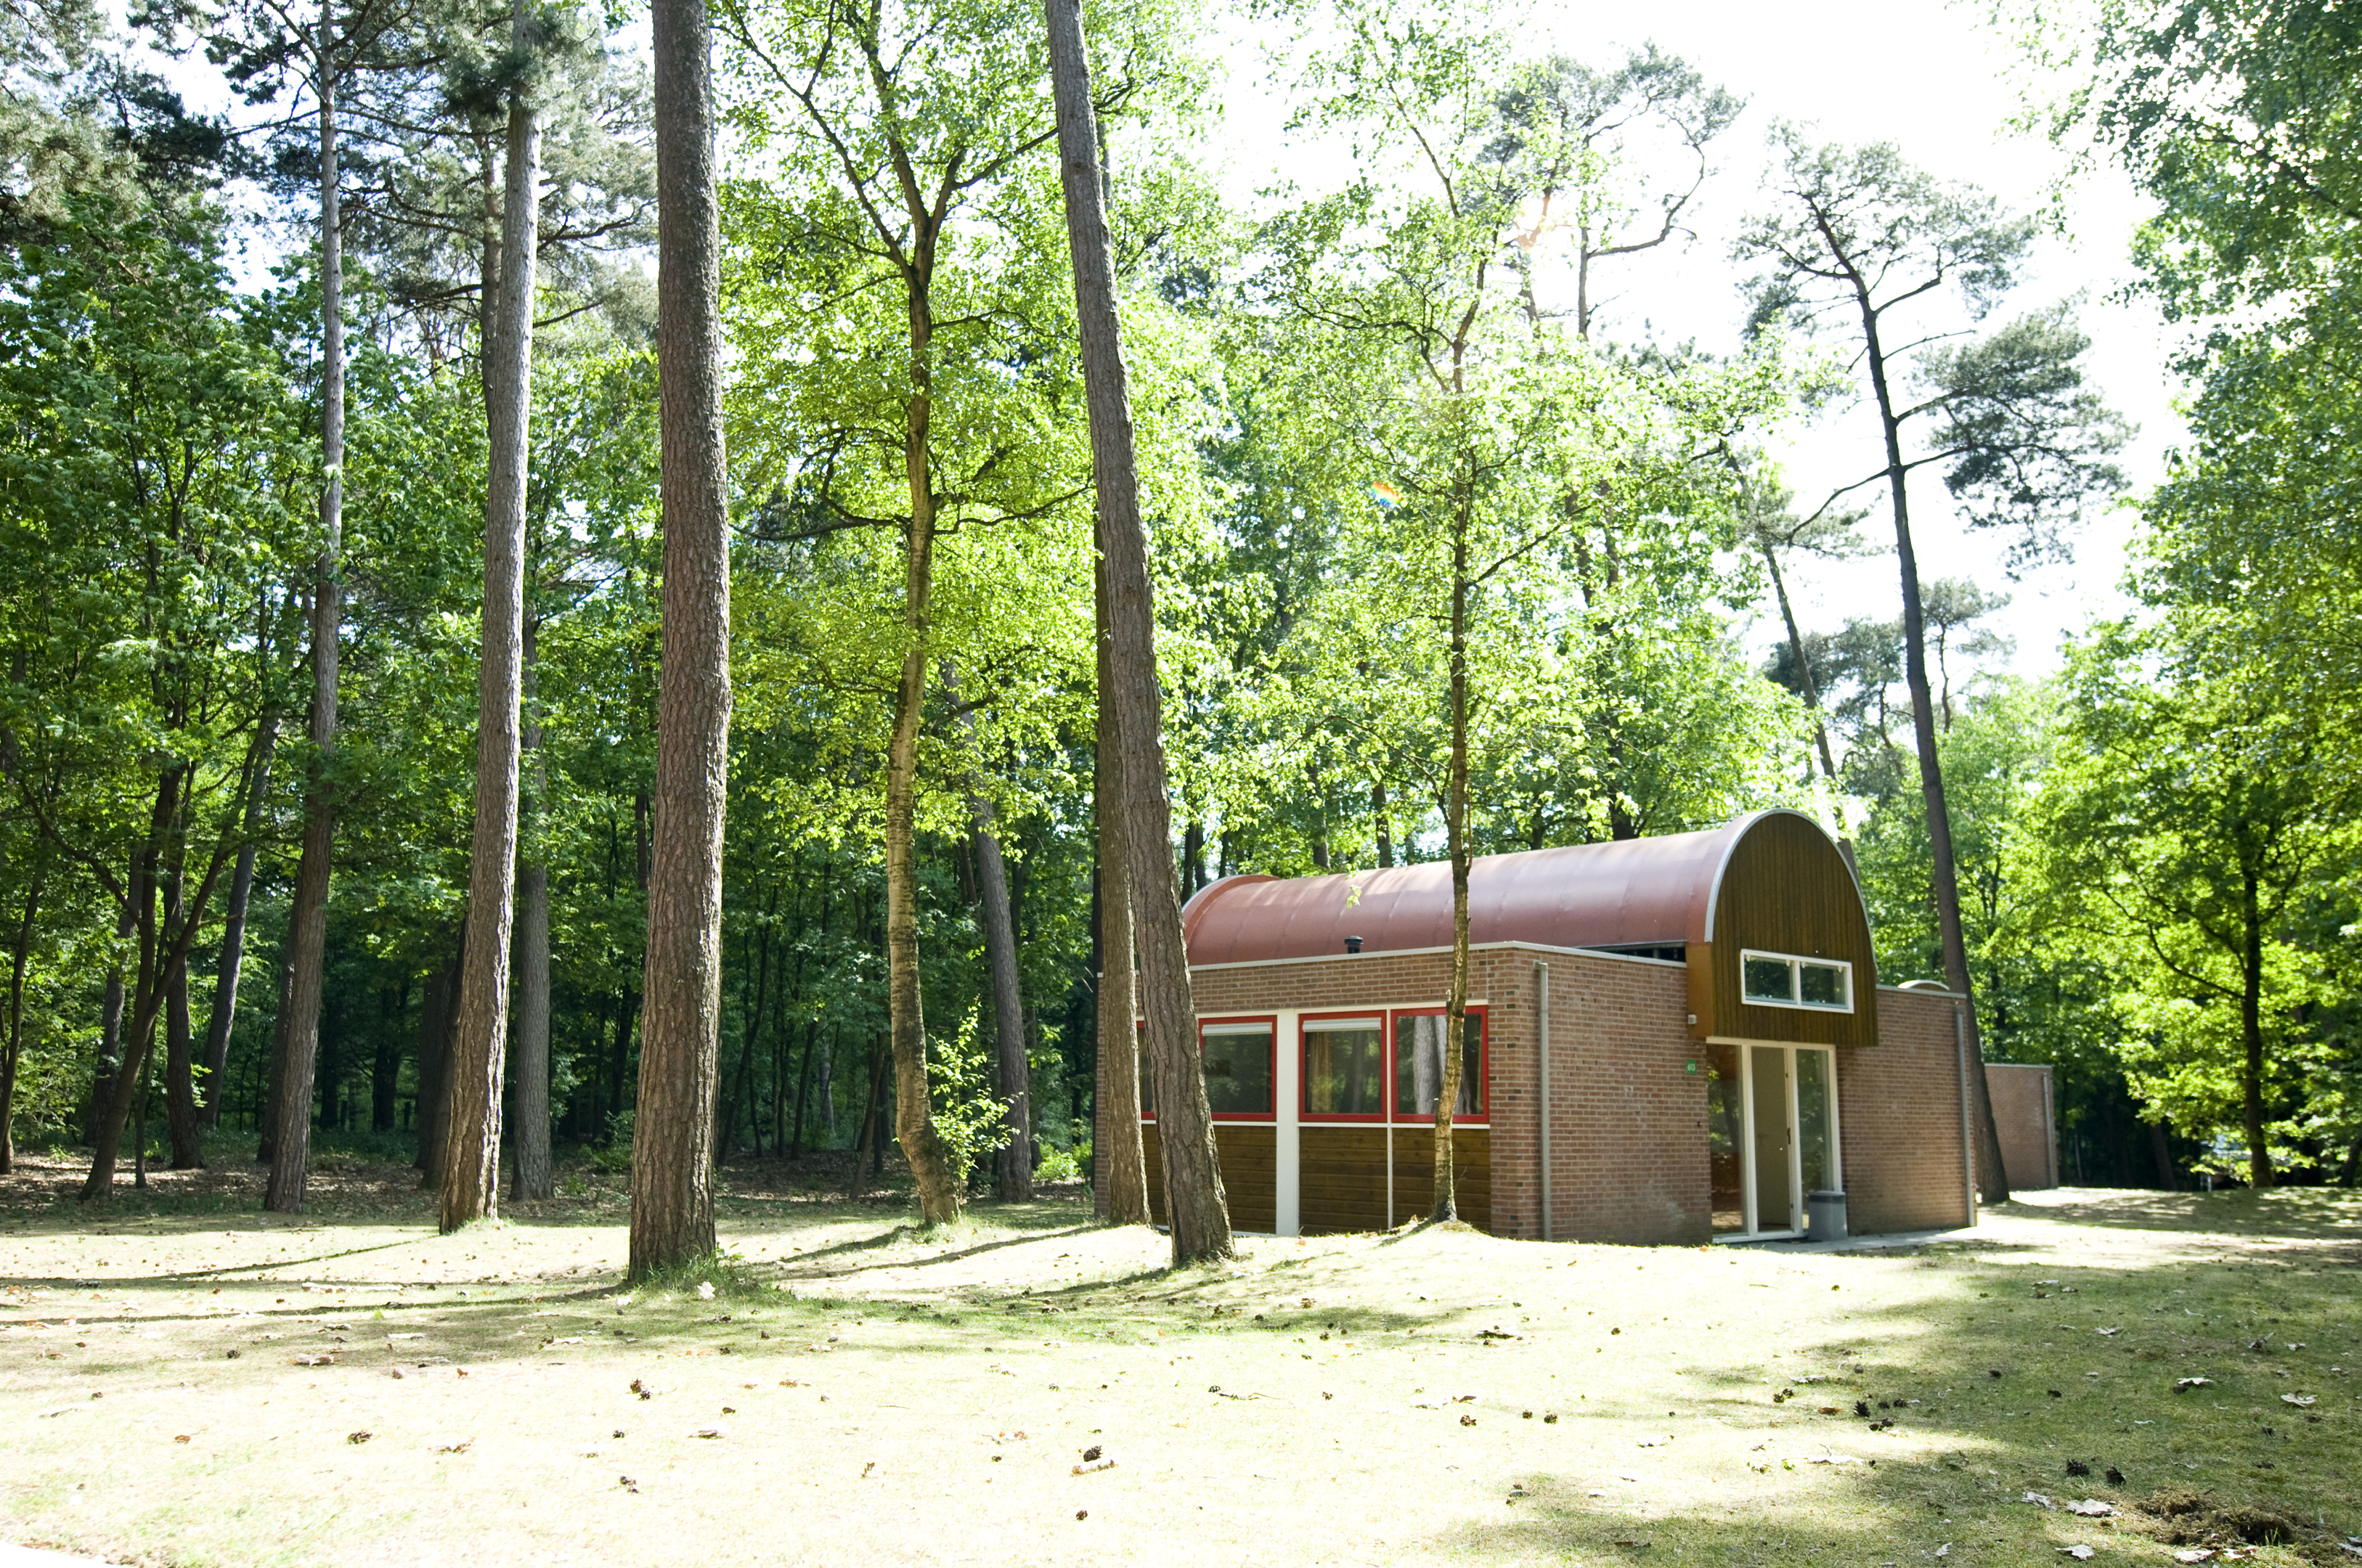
1628,893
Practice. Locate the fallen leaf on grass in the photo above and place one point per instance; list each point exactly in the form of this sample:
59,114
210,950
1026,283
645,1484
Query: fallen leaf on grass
1834,1459
2107,1331
462,1446
180,1436
710,1432
2184,1385
356,1439
2077,1553
1095,1465
2091,1508
312,1360
1656,1442
2195,1554
2038,1499
1467,1421
2299,1399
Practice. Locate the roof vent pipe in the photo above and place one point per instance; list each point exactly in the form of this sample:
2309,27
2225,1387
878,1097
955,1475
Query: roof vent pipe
1352,944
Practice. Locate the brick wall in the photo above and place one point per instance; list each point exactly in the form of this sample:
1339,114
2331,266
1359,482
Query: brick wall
1899,1120
1628,1151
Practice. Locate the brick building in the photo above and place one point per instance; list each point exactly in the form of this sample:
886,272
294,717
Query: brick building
1669,1040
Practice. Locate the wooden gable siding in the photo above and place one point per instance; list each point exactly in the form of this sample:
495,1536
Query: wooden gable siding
1784,890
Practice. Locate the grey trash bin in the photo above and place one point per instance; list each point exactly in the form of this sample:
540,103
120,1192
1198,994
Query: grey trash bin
1824,1215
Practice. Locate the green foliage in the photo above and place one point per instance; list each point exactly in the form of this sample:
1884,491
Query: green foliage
968,1117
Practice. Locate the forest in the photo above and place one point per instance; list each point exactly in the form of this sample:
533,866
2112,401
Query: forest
488,681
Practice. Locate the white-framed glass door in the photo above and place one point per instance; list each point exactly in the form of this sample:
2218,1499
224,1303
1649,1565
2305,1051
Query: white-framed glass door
1772,1130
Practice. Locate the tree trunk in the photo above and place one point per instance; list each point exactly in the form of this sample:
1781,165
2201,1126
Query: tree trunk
2251,1033
1455,826
472,1166
1193,1200
438,1010
535,1173
914,1125
1013,1164
135,1006
1119,1158
232,963
180,1077
110,1013
2160,1149
681,1020
12,1051
307,920
275,1070
1382,815
1993,1185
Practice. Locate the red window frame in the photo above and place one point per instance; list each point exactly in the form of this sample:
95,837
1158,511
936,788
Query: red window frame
1271,1022
1385,1066
1483,1014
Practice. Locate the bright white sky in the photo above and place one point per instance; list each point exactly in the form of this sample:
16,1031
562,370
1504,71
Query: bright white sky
1924,75
1928,77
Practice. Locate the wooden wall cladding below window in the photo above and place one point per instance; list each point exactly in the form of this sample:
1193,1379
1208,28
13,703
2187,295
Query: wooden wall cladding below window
1472,1173
1250,1157
1341,1181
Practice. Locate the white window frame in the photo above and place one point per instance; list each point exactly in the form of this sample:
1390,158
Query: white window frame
1795,986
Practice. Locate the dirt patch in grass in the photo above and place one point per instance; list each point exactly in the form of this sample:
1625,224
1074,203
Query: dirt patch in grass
350,1387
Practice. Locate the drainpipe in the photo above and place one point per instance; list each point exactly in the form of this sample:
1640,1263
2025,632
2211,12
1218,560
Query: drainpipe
1967,1160
1541,1035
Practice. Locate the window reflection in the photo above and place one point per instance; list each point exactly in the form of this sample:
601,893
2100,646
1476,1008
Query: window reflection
1342,1066
1419,1064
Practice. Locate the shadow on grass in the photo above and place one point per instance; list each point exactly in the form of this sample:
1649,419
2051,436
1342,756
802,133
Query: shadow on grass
1954,1407
2297,1211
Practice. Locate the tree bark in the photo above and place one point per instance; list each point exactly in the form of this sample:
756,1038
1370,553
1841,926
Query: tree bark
1013,1163
472,1166
1446,1205
1119,1158
180,1077
438,1010
1994,1185
12,1051
307,920
110,1013
231,968
680,1018
1194,1200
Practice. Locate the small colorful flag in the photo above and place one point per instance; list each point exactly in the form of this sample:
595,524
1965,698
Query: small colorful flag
1384,493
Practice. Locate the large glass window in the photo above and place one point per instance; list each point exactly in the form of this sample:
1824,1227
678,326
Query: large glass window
1238,1067
1237,1059
1781,979
1343,1067
1418,1063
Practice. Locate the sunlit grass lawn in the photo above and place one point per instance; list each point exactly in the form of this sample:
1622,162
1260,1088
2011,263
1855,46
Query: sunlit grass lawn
857,1393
